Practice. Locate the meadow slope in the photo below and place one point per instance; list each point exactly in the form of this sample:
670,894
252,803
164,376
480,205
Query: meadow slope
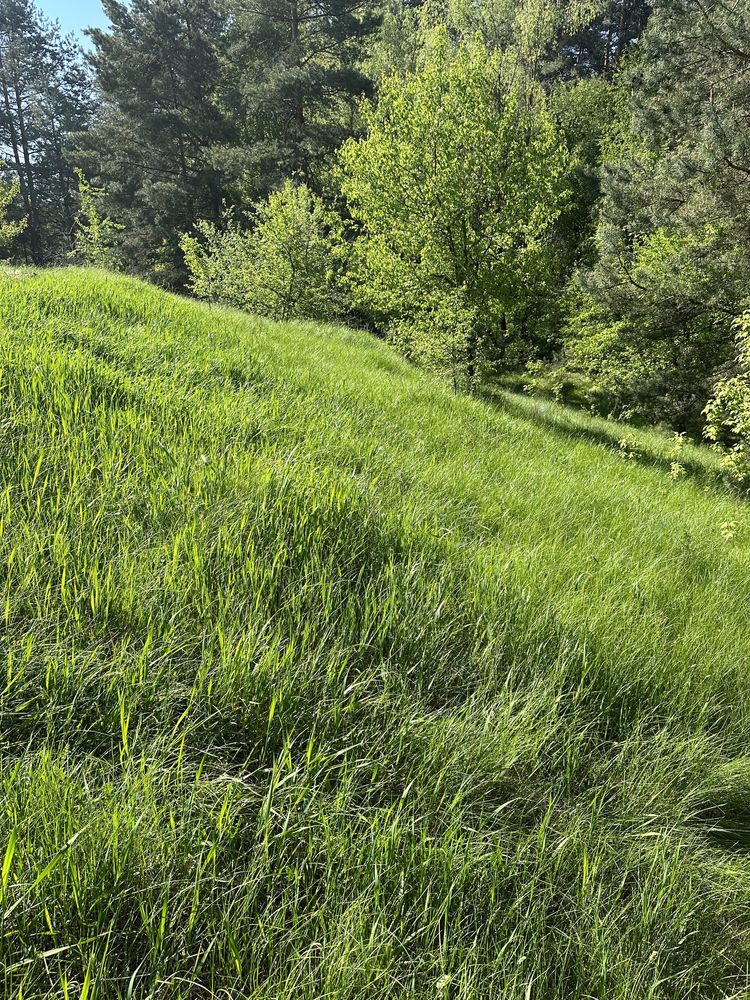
318,681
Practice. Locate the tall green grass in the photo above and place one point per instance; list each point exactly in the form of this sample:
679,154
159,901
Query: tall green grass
320,682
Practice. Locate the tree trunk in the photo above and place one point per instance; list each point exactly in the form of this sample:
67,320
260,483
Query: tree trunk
620,38
299,109
608,44
36,250
62,177
13,136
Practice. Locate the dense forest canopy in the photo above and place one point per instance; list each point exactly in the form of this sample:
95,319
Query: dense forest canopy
556,191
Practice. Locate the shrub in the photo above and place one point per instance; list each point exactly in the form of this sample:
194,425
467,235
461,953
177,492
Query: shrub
94,239
9,229
728,413
289,265
633,374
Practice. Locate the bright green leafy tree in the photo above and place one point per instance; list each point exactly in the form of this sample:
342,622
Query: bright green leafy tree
455,188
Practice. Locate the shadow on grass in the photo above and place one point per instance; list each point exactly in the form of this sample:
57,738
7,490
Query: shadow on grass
735,840
726,826
548,418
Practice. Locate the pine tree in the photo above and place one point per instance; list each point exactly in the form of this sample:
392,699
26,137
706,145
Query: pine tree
301,82
154,143
675,220
21,50
65,102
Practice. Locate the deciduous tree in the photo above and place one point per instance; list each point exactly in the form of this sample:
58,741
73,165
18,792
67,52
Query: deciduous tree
455,187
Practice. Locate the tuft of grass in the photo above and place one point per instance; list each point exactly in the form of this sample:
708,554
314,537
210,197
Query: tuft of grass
318,681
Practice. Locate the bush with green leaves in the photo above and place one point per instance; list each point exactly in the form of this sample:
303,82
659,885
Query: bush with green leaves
289,265
455,188
630,375
217,259
728,413
9,229
95,235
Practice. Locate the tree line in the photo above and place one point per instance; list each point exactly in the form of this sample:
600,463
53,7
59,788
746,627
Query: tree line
555,192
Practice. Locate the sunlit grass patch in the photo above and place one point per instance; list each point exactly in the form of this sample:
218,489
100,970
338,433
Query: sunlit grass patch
320,681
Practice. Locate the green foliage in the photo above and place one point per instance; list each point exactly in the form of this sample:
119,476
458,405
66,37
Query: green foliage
673,267
288,265
295,72
9,229
94,239
728,413
591,114
455,188
395,46
217,260
45,97
321,681
545,39
653,379
207,103
161,133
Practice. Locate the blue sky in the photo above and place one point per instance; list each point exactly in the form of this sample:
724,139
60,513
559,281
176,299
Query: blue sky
74,15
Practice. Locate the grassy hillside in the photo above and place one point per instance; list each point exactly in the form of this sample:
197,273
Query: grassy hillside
320,682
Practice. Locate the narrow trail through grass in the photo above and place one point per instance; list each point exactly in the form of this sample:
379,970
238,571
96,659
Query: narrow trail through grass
321,682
